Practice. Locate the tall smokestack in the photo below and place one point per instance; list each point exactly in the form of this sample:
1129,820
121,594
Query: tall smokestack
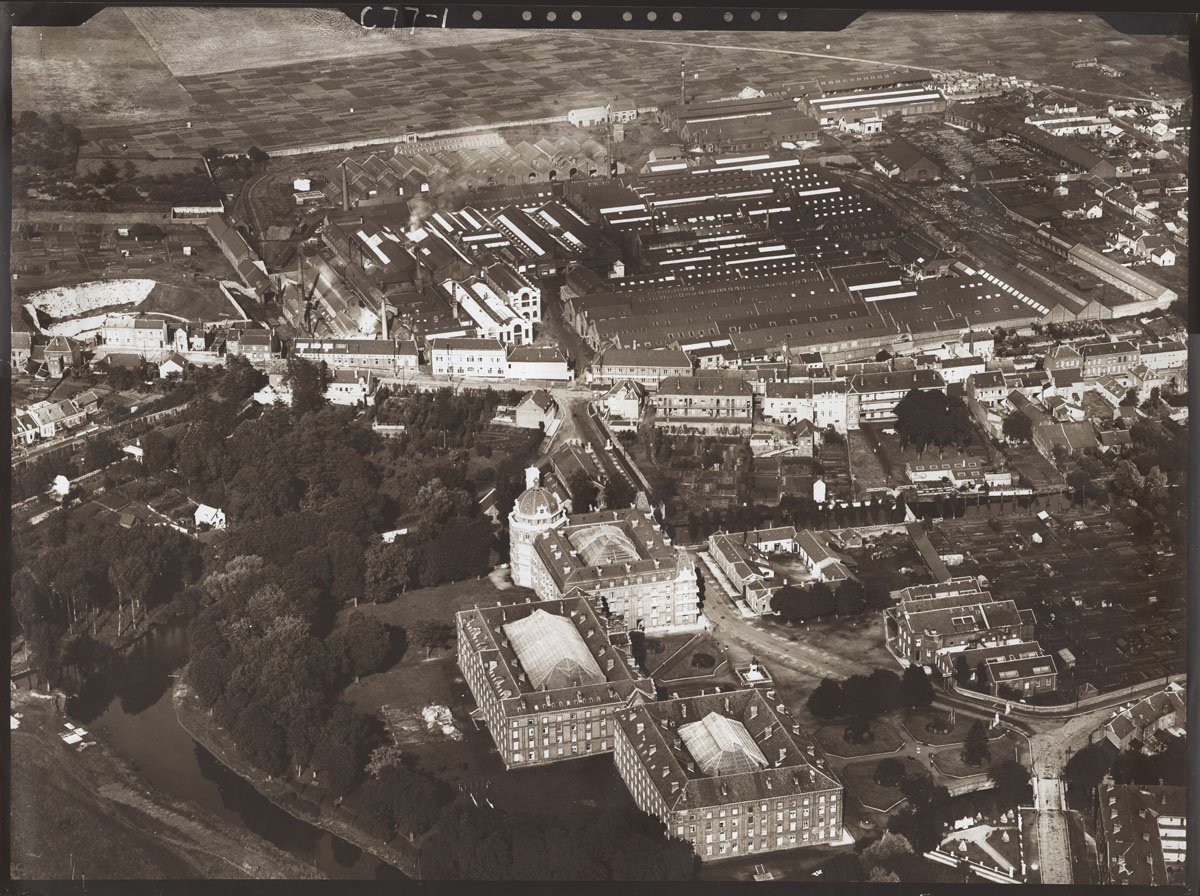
345,192
383,317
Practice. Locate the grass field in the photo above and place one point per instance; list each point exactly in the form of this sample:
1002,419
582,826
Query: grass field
950,762
885,739
860,778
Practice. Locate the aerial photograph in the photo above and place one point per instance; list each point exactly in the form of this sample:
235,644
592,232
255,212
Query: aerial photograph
580,450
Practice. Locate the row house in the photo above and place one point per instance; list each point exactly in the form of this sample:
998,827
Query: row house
383,357
822,402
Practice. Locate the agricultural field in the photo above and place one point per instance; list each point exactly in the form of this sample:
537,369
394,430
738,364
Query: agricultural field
267,90
119,79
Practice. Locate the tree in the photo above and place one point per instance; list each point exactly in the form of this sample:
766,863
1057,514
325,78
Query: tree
915,688
307,381
100,452
1017,427
888,772
849,598
433,635
1131,399
1086,769
791,603
368,643
1012,783
887,689
241,379
583,491
618,492
158,452
257,155
825,702
925,417
975,749
859,696
858,730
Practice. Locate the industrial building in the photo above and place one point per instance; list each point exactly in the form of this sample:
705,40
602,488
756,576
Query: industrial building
548,678
730,773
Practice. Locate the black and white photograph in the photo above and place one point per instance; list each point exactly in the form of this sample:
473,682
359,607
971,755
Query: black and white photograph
550,443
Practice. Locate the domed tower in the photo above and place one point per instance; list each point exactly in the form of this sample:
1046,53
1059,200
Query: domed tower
535,511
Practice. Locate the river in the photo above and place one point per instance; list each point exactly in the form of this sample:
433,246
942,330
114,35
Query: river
131,710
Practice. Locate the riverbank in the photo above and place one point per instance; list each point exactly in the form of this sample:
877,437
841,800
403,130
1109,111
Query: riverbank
195,720
90,815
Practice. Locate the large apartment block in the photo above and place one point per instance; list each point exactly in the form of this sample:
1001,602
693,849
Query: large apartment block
547,678
712,405
465,356
729,773
381,356
647,367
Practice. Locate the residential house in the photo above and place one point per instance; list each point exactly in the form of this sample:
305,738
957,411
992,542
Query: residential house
175,364
351,387
872,397
923,630
988,388
1074,438
537,410
1164,710
256,346
1012,671
144,335
54,417
21,348
212,517
61,354
1114,358
624,402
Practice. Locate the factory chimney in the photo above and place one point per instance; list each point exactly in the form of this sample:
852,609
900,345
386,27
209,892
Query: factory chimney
345,193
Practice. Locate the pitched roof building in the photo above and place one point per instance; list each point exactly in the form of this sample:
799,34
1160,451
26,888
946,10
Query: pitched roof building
1142,834
548,678
729,773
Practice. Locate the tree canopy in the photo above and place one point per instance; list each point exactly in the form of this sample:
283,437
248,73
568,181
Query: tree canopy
927,417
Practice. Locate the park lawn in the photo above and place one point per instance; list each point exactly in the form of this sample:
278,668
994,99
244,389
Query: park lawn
885,739
439,604
680,666
661,647
915,720
1010,850
949,761
860,778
